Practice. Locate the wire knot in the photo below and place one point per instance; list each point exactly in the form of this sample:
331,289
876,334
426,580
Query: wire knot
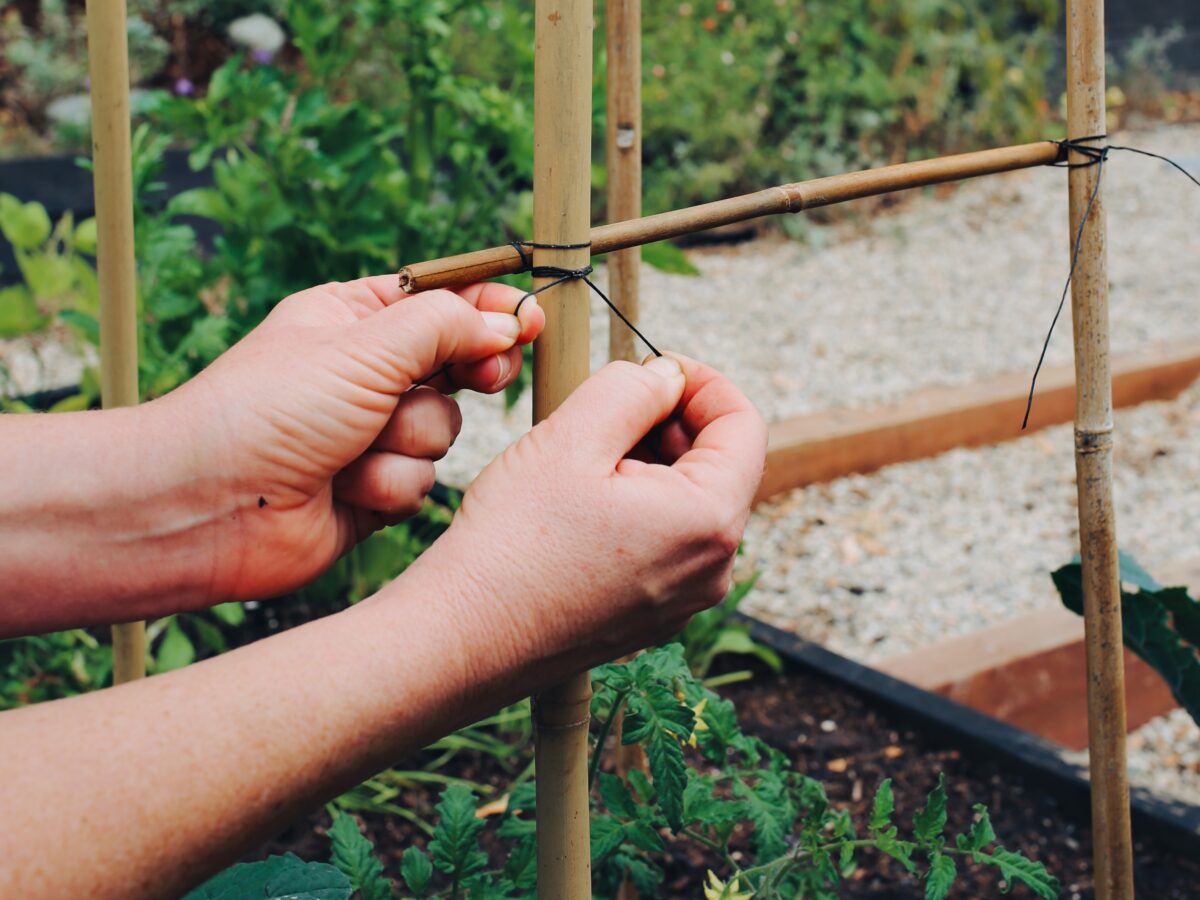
1095,155
559,274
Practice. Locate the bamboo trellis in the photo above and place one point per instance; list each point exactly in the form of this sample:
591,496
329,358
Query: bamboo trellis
562,140
108,62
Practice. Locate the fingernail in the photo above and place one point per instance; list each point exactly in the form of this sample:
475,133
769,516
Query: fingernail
664,366
503,323
504,366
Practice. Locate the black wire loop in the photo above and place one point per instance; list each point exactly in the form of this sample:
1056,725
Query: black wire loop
561,275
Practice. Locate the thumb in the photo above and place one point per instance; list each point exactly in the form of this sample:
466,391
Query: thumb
609,413
421,334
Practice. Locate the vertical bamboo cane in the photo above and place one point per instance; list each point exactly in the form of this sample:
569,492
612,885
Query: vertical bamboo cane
623,20
623,25
1093,466
562,160
108,61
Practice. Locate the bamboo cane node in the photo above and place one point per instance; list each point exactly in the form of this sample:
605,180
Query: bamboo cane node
1093,440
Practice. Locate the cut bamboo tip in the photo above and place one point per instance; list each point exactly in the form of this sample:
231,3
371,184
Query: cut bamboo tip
481,265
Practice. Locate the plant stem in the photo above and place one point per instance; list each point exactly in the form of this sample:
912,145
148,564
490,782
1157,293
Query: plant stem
602,736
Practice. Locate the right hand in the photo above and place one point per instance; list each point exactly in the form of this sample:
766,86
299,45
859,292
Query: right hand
575,551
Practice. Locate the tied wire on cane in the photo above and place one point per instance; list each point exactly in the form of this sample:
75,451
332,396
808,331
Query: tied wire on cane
559,275
1097,155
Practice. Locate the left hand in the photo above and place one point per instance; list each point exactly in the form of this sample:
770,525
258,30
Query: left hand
307,434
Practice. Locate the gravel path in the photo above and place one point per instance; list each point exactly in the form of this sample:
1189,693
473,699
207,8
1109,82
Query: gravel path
876,565
1163,757
943,292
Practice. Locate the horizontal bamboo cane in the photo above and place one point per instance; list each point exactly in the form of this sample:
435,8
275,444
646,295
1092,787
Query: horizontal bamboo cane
481,265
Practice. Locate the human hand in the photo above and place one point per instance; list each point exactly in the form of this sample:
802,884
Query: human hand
308,434
574,548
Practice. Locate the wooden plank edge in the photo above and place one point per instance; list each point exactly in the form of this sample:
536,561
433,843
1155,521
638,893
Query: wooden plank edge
827,445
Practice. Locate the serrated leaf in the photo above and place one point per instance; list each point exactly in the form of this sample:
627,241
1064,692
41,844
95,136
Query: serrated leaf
521,866
607,834
641,786
416,870
723,730
770,810
884,806
641,835
644,876
661,723
701,807
1016,867
616,796
940,878
276,878
354,855
901,851
669,771
930,821
454,846
980,834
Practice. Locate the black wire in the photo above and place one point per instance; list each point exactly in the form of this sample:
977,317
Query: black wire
559,275
1097,156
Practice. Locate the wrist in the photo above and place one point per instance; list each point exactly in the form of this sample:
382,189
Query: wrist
103,521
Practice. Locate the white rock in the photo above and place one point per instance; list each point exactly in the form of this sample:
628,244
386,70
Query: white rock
257,32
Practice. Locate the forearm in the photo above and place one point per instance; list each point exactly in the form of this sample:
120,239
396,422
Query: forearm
102,519
146,789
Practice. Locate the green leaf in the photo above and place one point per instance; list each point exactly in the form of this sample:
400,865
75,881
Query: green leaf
940,879
644,837
1016,867
84,237
18,312
666,257
521,866
607,834
929,822
884,806
616,796
176,650
701,807
74,403
661,723
49,276
667,767
416,870
276,878
205,203
25,225
980,834
901,851
454,845
82,324
355,855
232,613
771,811
1161,625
